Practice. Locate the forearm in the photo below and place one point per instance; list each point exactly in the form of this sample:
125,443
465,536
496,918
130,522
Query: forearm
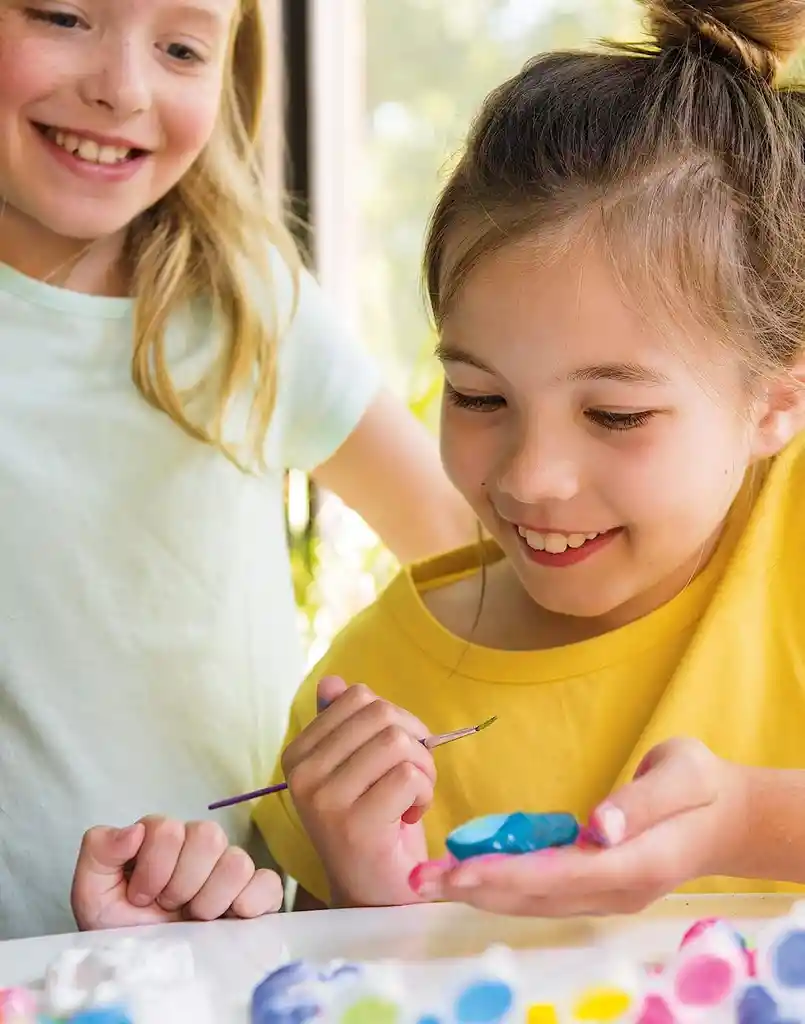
772,844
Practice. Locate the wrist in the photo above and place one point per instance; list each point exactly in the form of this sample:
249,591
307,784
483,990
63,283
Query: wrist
738,797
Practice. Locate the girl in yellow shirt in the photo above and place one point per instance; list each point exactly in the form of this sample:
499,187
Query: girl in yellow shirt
616,269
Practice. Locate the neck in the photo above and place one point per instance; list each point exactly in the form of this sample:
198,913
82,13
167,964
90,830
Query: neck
90,266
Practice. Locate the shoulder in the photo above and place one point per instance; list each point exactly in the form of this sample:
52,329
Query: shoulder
398,628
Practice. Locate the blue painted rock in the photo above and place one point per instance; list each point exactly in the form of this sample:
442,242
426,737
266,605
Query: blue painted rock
512,834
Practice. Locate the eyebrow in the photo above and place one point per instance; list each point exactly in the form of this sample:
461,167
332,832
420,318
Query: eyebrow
201,11
624,373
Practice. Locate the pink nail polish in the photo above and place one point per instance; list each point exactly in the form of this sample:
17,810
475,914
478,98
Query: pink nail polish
610,822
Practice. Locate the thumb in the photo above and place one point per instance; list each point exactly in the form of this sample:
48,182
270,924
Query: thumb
101,861
106,851
328,690
675,777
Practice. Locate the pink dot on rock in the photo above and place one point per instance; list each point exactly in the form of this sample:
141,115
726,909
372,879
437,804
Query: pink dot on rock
655,1010
704,981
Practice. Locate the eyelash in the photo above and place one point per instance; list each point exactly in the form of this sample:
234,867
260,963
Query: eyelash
612,421
191,58
56,19
52,18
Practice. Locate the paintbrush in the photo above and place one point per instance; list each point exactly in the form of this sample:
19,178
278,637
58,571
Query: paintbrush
431,742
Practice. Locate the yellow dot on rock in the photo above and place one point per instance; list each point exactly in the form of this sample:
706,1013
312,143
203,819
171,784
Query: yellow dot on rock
542,1013
372,1010
602,1004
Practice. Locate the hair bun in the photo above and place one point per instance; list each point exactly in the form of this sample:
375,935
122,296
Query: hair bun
759,34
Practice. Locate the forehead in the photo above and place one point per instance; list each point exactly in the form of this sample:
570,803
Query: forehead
564,309
211,10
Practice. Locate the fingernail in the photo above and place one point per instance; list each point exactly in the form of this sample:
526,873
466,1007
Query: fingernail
140,899
126,833
610,822
589,835
322,704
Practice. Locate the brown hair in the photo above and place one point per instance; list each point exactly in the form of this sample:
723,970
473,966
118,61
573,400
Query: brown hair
687,148
208,240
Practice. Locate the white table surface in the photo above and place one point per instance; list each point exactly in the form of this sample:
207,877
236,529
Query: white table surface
235,955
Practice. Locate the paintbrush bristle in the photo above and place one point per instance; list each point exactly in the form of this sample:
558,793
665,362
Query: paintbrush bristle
487,723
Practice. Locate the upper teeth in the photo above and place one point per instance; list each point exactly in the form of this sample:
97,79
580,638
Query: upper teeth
88,149
554,543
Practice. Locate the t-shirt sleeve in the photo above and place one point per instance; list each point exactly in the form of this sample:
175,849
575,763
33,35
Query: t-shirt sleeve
326,380
276,817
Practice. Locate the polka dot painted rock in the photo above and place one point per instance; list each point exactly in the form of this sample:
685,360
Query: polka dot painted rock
484,1002
602,1005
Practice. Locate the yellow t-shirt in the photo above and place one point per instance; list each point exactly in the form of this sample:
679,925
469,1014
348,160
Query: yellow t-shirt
723,661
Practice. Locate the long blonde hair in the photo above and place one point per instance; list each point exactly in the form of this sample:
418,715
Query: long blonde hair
209,239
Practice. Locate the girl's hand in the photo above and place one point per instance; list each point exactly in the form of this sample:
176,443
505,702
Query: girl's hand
361,780
159,870
680,819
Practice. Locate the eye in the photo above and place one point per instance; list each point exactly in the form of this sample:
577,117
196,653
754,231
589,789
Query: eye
183,54
479,403
59,19
619,420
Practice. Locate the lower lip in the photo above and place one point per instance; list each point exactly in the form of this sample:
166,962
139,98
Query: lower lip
572,556
123,171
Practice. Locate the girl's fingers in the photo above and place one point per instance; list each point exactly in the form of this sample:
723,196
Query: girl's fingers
337,747
227,880
393,748
205,843
329,719
654,862
401,788
678,776
263,894
156,860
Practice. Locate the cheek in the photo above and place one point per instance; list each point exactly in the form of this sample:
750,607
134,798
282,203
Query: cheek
188,122
465,455
27,76
686,474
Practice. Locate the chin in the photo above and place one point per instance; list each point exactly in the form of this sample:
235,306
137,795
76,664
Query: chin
82,229
576,606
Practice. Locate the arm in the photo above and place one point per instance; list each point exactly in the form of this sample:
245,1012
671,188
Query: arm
772,842
388,470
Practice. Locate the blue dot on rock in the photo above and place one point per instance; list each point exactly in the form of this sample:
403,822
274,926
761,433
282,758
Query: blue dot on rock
789,960
102,1015
757,1006
483,1002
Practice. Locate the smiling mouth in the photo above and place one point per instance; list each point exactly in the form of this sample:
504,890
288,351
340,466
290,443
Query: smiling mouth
557,543
89,150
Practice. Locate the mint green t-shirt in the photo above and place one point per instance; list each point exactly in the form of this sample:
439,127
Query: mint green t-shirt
148,637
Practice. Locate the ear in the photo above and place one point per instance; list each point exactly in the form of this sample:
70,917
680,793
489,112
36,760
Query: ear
781,412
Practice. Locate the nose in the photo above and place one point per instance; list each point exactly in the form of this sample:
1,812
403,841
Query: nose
118,81
539,466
